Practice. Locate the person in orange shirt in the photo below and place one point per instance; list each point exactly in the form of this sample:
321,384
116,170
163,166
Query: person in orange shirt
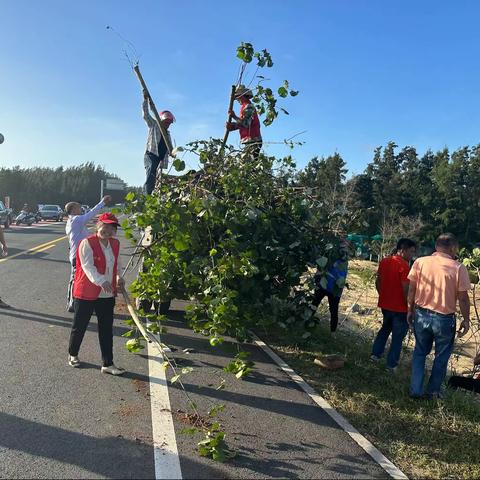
437,282
392,288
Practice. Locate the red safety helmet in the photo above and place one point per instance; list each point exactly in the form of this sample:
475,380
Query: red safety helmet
167,115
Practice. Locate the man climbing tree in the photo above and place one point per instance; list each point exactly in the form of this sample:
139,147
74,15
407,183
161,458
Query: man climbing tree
247,123
156,153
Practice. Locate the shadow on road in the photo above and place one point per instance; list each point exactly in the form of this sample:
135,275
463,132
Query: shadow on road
58,320
110,457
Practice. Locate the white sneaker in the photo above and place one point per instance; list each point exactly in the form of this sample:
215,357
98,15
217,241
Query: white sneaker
113,370
73,361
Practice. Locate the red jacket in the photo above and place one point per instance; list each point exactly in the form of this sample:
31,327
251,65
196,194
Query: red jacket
83,288
251,132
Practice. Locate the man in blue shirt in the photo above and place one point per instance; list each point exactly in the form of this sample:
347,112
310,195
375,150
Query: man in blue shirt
336,277
76,230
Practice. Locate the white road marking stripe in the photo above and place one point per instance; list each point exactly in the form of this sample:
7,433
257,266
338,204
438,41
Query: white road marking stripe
378,456
167,461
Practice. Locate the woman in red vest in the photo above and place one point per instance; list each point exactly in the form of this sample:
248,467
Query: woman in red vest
94,290
247,123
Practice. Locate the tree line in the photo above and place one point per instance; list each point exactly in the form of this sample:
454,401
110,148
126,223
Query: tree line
43,185
399,193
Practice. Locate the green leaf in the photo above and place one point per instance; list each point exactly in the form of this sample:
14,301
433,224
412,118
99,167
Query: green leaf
180,244
214,341
293,93
213,252
283,92
130,196
179,165
322,262
216,409
174,378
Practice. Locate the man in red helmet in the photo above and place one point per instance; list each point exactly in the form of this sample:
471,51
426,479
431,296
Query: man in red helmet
156,152
247,123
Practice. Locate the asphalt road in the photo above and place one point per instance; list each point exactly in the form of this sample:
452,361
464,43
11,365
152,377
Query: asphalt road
59,422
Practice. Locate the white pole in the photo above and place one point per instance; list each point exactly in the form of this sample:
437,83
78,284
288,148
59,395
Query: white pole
101,189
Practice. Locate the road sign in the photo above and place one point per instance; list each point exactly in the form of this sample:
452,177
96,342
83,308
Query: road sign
114,184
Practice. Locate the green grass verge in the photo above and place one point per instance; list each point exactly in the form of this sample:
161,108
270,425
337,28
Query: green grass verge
426,439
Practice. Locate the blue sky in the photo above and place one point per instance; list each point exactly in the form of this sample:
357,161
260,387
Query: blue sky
368,71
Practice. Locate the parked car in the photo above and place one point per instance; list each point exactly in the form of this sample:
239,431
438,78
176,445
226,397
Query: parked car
51,212
5,215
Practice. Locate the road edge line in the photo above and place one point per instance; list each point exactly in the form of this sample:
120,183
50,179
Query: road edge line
165,451
339,419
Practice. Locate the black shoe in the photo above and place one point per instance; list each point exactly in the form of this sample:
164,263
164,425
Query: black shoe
70,308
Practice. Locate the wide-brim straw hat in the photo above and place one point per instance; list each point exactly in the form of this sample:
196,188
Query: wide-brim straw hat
243,91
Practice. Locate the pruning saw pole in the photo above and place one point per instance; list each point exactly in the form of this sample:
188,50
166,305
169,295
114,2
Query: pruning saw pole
230,108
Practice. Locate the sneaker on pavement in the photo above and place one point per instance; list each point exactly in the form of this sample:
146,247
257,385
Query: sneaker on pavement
113,370
73,361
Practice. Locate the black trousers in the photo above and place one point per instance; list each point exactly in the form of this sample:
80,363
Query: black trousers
333,303
70,283
467,383
103,308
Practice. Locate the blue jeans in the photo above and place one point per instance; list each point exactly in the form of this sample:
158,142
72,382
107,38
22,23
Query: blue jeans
151,163
396,324
428,327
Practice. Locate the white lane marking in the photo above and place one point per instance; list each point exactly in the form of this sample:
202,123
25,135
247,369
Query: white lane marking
378,456
35,225
167,461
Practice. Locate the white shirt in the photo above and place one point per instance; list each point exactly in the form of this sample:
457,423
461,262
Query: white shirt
86,258
76,228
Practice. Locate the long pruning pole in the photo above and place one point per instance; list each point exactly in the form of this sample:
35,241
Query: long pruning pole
163,131
134,315
230,107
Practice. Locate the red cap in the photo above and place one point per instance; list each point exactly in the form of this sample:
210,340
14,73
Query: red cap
108,218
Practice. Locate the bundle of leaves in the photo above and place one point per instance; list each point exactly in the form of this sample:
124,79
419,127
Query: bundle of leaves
235,238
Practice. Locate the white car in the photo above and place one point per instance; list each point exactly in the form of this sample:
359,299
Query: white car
51,212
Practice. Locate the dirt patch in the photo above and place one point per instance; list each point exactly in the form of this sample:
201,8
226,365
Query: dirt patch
127,411
192,419
121,306
142,387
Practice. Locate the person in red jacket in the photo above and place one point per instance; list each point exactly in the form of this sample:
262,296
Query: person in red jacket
247,123
94,290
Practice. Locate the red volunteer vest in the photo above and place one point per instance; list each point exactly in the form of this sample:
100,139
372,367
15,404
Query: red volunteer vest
253,131
83,288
